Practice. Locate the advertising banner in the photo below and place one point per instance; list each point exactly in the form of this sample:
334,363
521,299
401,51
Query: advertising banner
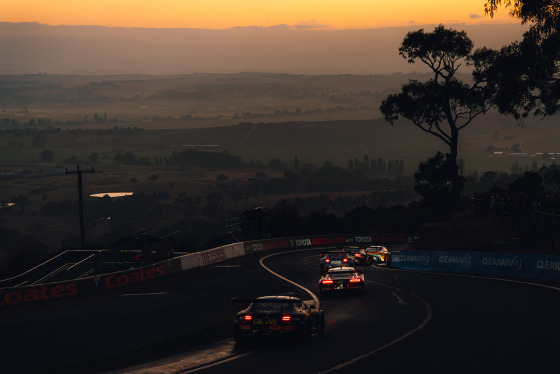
378,239
19,296
42,294
125,278
211,256
253,247
501,264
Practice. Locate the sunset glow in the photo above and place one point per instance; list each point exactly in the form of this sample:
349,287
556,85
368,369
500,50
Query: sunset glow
223,14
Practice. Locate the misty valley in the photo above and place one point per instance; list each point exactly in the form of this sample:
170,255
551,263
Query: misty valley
200,149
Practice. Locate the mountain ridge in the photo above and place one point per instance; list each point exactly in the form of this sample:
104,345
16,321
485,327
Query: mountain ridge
32,47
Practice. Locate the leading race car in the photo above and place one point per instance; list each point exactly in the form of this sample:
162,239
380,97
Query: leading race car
342,279
278,316
378,253
333,259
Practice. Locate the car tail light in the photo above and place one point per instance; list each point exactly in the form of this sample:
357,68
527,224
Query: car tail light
327,281
286,318
327,260
344,260
248,317
355,280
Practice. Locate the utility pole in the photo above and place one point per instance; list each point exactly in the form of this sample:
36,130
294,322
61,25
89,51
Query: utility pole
81,202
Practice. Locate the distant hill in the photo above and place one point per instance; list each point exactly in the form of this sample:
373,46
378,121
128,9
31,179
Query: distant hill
30,48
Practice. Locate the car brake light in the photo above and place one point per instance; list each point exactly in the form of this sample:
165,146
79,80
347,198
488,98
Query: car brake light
286,318
327,281
327,260
344,260
248,317
355,280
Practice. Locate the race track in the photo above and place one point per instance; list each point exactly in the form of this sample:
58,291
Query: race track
407,322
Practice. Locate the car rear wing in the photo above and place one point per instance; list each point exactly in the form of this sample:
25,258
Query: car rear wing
337,252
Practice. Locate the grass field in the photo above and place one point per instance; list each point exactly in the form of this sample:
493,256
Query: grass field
318,118
312,141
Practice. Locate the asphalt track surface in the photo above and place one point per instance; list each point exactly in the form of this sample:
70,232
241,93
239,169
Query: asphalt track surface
407,322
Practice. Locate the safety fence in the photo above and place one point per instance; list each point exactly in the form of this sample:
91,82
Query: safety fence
27,296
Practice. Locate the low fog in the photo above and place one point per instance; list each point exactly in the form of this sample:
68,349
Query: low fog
35,48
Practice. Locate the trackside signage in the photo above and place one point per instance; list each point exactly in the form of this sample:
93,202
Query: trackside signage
316,242
324,241
220,254
115,280
41,294
380,239
411,260
30,295
212,256
511,265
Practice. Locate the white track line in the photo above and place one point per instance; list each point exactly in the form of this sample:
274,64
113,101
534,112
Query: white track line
315,298
419,327
232,358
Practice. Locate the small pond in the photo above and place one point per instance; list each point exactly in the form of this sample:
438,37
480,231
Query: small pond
112,194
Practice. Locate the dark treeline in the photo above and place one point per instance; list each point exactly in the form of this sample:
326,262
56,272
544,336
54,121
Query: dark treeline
383,211
51,130
331,179
224,160
285,220
220,91
194,158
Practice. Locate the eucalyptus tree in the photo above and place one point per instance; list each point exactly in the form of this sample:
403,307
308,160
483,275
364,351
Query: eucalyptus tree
526,74
443,105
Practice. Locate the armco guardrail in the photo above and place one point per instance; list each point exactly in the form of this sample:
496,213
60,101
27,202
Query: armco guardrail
16,297
531,266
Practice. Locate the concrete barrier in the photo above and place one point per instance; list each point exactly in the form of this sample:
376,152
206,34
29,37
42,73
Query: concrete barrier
189,261
16,297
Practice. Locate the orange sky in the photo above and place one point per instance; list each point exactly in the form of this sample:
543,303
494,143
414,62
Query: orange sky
221,14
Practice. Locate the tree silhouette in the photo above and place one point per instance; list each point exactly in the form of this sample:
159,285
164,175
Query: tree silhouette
539,12
435,181
21,200
297,164
443,105
46,155
526,74
40,140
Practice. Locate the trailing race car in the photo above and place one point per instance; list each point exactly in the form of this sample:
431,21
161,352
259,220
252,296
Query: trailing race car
333,259
343,278
278,315
361,256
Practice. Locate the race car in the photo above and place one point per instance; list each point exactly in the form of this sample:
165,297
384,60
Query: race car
340,279
332,259
361,256
278,316
378,253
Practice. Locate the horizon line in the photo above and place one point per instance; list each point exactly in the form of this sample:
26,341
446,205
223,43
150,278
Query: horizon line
283,27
